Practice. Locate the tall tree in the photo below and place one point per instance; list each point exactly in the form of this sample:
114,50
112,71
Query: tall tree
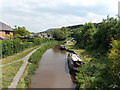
59,34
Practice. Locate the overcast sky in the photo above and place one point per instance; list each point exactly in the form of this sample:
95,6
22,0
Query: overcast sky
40,15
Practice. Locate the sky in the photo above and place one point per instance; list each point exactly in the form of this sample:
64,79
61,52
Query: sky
40,15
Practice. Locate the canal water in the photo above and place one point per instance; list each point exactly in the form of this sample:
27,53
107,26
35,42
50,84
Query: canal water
53,70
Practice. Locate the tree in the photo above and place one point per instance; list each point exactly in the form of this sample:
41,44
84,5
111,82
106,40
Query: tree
105,32
17,36
104,72
84,35
96,74
21,31
59,34
114,56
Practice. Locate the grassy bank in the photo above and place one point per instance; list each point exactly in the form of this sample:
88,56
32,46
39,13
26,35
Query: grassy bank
85,55
33,64
9,72
17,56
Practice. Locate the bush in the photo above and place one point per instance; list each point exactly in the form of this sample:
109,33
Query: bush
96,74
10,47
27,80
7,48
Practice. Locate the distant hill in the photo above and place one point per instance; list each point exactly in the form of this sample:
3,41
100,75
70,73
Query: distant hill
51,29
72,27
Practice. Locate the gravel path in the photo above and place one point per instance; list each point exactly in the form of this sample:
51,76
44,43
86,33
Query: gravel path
21,70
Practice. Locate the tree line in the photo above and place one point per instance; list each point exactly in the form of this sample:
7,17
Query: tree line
103,38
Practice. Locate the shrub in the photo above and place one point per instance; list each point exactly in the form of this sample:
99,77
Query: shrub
10,47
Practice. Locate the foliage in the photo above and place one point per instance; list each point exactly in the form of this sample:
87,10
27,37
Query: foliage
17,56
101,73
21,31
17,36
98,36
60,34
38,41
10,47
96,74
114,56
84,35
105,32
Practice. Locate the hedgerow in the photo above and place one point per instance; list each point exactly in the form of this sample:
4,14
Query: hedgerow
12,46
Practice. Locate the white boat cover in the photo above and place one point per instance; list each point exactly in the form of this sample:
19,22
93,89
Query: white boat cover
75,57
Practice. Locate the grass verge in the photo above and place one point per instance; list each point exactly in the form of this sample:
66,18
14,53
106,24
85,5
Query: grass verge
85,55
22,83
17,56
9,72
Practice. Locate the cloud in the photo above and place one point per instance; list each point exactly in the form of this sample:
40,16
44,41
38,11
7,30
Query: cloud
82,2
38,15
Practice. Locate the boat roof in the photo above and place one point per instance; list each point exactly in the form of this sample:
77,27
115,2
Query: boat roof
75,57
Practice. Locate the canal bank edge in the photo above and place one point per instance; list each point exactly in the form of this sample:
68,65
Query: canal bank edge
33,64
85,55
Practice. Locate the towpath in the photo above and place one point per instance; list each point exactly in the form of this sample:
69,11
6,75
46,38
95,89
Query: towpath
21,70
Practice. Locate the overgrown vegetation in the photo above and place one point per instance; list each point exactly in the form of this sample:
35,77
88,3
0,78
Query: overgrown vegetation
101,72
98,37
102,39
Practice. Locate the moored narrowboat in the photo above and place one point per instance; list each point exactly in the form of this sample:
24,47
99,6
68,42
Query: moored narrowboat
74,61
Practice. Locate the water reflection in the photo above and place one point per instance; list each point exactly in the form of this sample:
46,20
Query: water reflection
56,50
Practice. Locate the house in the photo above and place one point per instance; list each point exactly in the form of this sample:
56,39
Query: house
44,35
5,31
41,35
36,35
49,36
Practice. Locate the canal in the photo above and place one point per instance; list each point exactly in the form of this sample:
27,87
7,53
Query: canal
53,70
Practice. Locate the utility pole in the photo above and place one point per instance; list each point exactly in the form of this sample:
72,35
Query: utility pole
119,10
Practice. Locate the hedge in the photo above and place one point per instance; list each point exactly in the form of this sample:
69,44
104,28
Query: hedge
13,46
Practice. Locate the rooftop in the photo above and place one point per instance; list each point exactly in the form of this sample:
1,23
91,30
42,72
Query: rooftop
5,27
